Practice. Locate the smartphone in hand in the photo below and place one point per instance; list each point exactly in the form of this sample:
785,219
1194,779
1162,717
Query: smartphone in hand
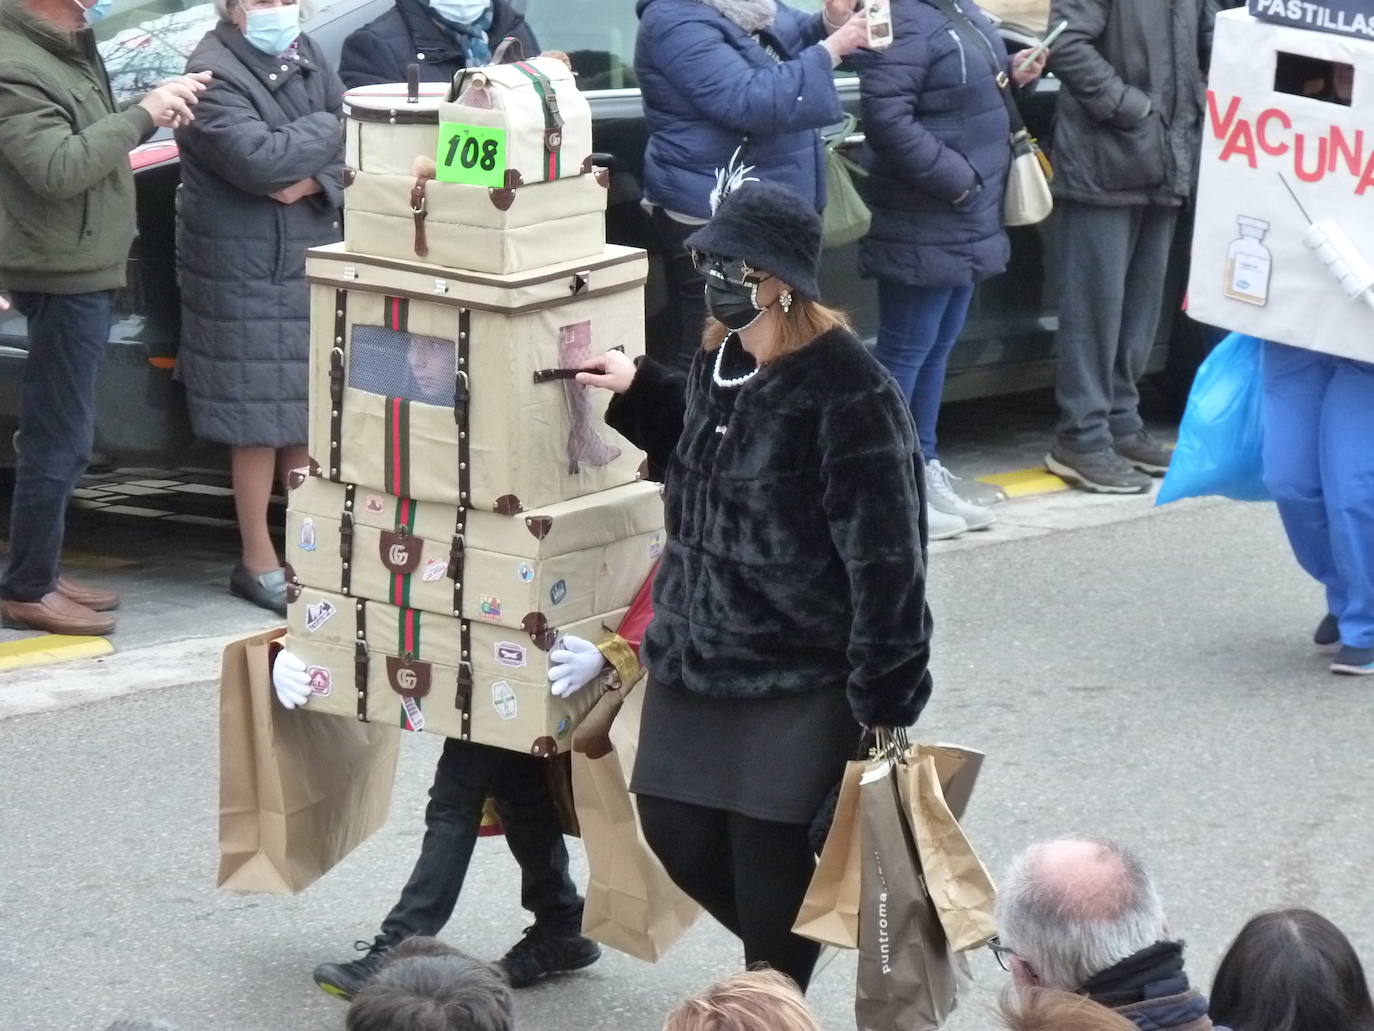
1043,45
879,14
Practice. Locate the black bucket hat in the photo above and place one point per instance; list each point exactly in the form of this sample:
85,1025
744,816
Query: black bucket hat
770,228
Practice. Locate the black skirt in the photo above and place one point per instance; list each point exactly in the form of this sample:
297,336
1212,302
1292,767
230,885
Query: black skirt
773,759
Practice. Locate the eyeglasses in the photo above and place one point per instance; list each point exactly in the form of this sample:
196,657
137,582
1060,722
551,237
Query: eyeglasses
1003,954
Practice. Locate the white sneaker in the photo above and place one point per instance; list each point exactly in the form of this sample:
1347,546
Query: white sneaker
941,526
940,494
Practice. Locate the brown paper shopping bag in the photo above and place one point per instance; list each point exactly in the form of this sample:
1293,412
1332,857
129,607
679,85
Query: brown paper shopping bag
632,904
830,912
908,977
298,790
960,886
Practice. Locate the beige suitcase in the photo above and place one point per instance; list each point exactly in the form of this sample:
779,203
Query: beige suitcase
473,227
421,671
548,568
456,386
546,121
386,127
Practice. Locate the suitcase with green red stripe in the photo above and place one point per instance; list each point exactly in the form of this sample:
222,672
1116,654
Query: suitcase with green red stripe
546,121
425,672
547,568
457,387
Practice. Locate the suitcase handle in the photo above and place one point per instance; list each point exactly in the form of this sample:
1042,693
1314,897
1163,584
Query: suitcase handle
549,375
501,55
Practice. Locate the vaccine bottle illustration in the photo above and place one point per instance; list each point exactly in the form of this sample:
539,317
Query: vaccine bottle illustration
1248,263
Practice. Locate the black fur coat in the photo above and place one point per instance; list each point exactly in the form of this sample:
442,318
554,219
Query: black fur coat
796,535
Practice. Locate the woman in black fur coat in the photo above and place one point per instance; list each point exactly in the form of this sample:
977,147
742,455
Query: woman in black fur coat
789,612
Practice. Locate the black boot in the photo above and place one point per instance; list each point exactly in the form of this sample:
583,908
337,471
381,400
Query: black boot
544,951
343,980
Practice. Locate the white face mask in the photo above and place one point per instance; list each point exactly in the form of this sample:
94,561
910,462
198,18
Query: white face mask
273,29
460,12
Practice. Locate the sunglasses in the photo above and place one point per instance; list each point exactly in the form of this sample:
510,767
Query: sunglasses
736,272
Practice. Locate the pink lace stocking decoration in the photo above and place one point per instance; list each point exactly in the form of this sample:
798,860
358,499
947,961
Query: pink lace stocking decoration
584,442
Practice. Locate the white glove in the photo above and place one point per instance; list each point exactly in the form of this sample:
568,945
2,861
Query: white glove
573,664
291,681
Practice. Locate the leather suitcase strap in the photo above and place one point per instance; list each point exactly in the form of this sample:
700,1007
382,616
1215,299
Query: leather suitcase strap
336,383
462,390
360,656
346,540
553,121
419,207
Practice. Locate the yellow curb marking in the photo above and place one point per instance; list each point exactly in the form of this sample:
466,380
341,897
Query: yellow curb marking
1026,482
49,648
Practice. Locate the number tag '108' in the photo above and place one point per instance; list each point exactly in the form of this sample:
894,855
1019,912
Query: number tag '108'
473,155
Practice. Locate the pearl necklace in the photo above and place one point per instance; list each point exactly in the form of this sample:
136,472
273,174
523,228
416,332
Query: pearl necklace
738,380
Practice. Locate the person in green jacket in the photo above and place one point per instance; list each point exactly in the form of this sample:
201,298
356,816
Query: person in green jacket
66,224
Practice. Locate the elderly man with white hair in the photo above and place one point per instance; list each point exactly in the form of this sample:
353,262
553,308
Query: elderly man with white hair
1083,916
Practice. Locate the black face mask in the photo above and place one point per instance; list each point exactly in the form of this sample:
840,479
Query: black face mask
734,305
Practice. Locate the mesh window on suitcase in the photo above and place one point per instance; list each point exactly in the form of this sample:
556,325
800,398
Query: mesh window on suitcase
394,363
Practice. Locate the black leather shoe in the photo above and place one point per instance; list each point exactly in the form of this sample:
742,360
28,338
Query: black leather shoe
342,980
543,953
267,591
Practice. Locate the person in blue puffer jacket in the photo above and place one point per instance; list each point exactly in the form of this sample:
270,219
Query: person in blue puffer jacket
720,76
938,152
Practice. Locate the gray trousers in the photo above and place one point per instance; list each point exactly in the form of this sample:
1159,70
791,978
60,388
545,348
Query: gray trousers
1112,262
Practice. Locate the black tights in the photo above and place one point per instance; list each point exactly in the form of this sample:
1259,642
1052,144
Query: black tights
751,875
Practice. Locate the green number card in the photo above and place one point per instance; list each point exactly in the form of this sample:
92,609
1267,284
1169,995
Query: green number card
473,155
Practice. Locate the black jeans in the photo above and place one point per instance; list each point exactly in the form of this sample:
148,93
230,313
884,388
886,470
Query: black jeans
68,334
687,287
751,875
466,775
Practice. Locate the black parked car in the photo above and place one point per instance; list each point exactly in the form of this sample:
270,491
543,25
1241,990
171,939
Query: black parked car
141,414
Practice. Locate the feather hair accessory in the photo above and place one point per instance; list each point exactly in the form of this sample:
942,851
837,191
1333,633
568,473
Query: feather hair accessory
731,178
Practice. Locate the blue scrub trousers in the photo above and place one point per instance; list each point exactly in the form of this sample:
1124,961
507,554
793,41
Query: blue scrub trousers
1319,465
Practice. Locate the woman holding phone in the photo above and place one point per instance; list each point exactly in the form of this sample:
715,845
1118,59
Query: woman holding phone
721,76
938,154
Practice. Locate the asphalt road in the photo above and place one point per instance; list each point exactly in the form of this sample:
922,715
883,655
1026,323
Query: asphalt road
1149,678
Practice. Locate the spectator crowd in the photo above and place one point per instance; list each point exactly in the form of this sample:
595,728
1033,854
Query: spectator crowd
1082,932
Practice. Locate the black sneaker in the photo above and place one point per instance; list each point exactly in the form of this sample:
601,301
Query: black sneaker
1099,472
1357,662
1328,633
542,953
342,980
1144,452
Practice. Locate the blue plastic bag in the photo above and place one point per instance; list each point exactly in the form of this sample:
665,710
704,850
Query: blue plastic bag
1221,441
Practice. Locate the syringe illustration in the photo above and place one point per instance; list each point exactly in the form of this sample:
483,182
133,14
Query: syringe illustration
1337,252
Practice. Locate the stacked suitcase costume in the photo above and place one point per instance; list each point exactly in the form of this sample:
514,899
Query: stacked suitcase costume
466,503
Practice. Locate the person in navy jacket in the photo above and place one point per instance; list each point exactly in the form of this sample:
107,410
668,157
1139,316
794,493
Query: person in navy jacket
938,153
720,76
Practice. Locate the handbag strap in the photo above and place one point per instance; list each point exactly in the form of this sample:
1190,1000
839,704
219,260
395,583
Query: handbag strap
973,36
